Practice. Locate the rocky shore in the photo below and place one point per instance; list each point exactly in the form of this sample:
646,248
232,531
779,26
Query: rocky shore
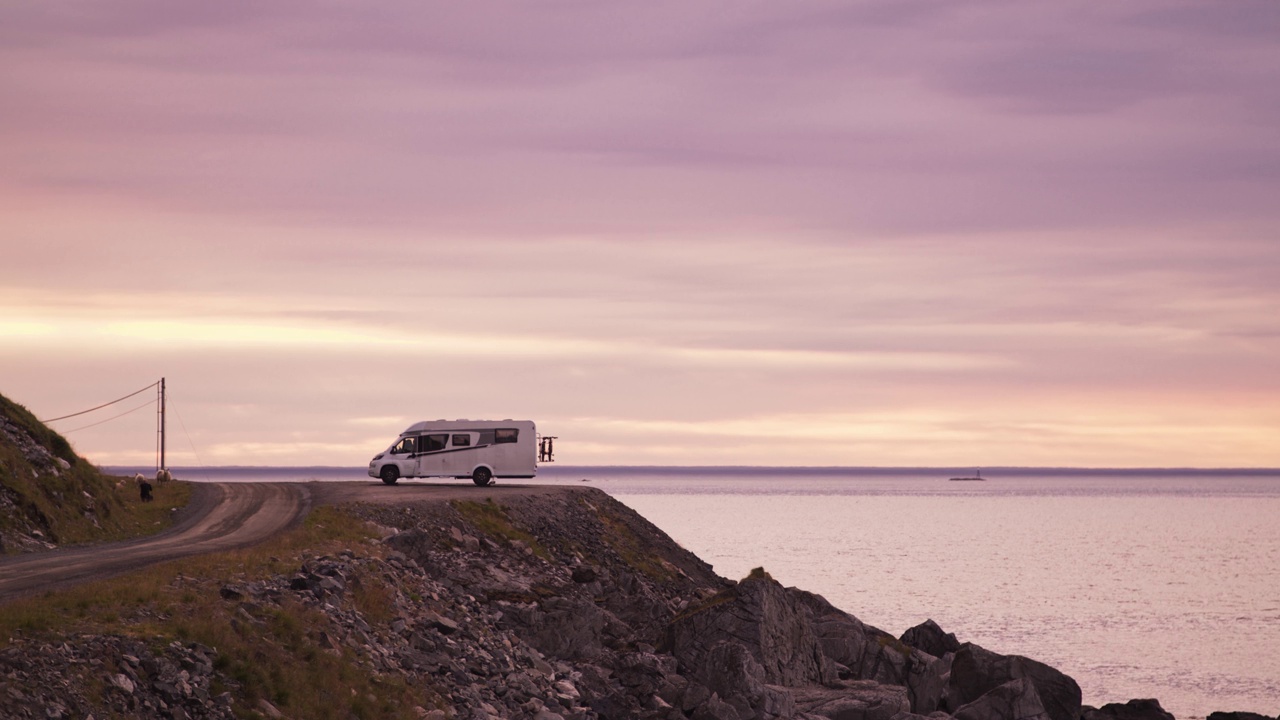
563,607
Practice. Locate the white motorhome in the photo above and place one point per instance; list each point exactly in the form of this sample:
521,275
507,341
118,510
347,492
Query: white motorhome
479,449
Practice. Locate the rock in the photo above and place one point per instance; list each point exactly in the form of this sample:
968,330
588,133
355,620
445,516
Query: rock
975,671
439,622
121,681
1238,716
869,653
928,637
228,592
927,684
269,710
583,574
1014,700
769,621
715,709
562,627
1134,710
853,700
729,670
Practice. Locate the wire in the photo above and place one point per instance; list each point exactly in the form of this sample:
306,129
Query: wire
113,402
174,407
85,427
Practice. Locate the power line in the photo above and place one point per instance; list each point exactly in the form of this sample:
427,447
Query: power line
184,432
127,412
113,402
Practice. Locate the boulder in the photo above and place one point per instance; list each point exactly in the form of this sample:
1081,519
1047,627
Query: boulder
927,684
863,652
930,638
1132,710
976,671
716,709
562,627
732,673
853,700
867,652
1014,700
770,622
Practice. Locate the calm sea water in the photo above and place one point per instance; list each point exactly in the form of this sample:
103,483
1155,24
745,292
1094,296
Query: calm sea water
1160,584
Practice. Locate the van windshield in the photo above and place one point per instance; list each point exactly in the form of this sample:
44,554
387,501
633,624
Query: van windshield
406,446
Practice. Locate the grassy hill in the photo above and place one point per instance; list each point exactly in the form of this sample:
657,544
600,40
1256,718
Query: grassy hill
51,496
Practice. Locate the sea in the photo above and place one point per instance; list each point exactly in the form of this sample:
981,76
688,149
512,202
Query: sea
1137,583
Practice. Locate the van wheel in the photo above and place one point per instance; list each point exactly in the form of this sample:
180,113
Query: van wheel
390,474
482,476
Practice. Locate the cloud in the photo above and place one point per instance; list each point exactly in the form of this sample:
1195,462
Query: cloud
680,212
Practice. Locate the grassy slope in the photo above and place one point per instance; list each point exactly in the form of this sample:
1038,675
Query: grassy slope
280,662
78,504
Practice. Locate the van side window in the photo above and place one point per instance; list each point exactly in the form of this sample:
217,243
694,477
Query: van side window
505,435
485,438
432,443
404,447
461,440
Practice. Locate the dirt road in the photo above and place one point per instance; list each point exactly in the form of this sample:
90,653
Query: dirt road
224,516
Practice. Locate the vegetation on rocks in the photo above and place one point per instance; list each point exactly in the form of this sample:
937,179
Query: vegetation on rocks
50,496
236,652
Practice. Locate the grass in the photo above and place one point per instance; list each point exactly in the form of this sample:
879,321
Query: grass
77,504
634,551
890,642
720,598
276,656
491,519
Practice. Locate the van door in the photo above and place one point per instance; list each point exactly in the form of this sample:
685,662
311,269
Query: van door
431,454
403,455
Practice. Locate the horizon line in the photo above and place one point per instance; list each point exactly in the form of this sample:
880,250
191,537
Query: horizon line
791,468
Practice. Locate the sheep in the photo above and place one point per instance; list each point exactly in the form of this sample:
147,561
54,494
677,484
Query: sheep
163,475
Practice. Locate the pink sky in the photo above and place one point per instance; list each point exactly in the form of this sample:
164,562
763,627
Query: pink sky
820,233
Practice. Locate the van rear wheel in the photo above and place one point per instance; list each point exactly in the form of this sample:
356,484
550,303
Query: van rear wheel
482,476
390,474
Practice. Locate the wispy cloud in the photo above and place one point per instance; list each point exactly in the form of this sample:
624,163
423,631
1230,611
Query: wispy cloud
674,212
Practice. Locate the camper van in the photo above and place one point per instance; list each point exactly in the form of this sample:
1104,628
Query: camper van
482,450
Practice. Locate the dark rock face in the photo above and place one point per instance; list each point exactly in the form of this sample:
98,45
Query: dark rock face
770,622
928,637
862,652
854,700
977,671
1132,710
1014,700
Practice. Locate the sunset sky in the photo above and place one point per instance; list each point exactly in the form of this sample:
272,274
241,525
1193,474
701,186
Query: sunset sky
672,233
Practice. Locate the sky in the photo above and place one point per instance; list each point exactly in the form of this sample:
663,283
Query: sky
818,233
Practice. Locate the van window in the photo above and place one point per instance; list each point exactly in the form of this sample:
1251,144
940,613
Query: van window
404,447
432,443
485,437
505,435
461,440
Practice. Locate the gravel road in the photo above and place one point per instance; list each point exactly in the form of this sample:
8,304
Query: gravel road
225,516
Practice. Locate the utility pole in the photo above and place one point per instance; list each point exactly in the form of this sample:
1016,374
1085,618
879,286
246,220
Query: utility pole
162,424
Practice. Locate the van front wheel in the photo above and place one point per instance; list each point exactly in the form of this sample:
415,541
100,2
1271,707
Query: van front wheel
390,474
482,477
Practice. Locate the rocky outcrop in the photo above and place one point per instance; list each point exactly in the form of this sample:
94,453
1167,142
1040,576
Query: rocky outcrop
570,607
930,638
771,623
1014,700
1142,709
976,672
